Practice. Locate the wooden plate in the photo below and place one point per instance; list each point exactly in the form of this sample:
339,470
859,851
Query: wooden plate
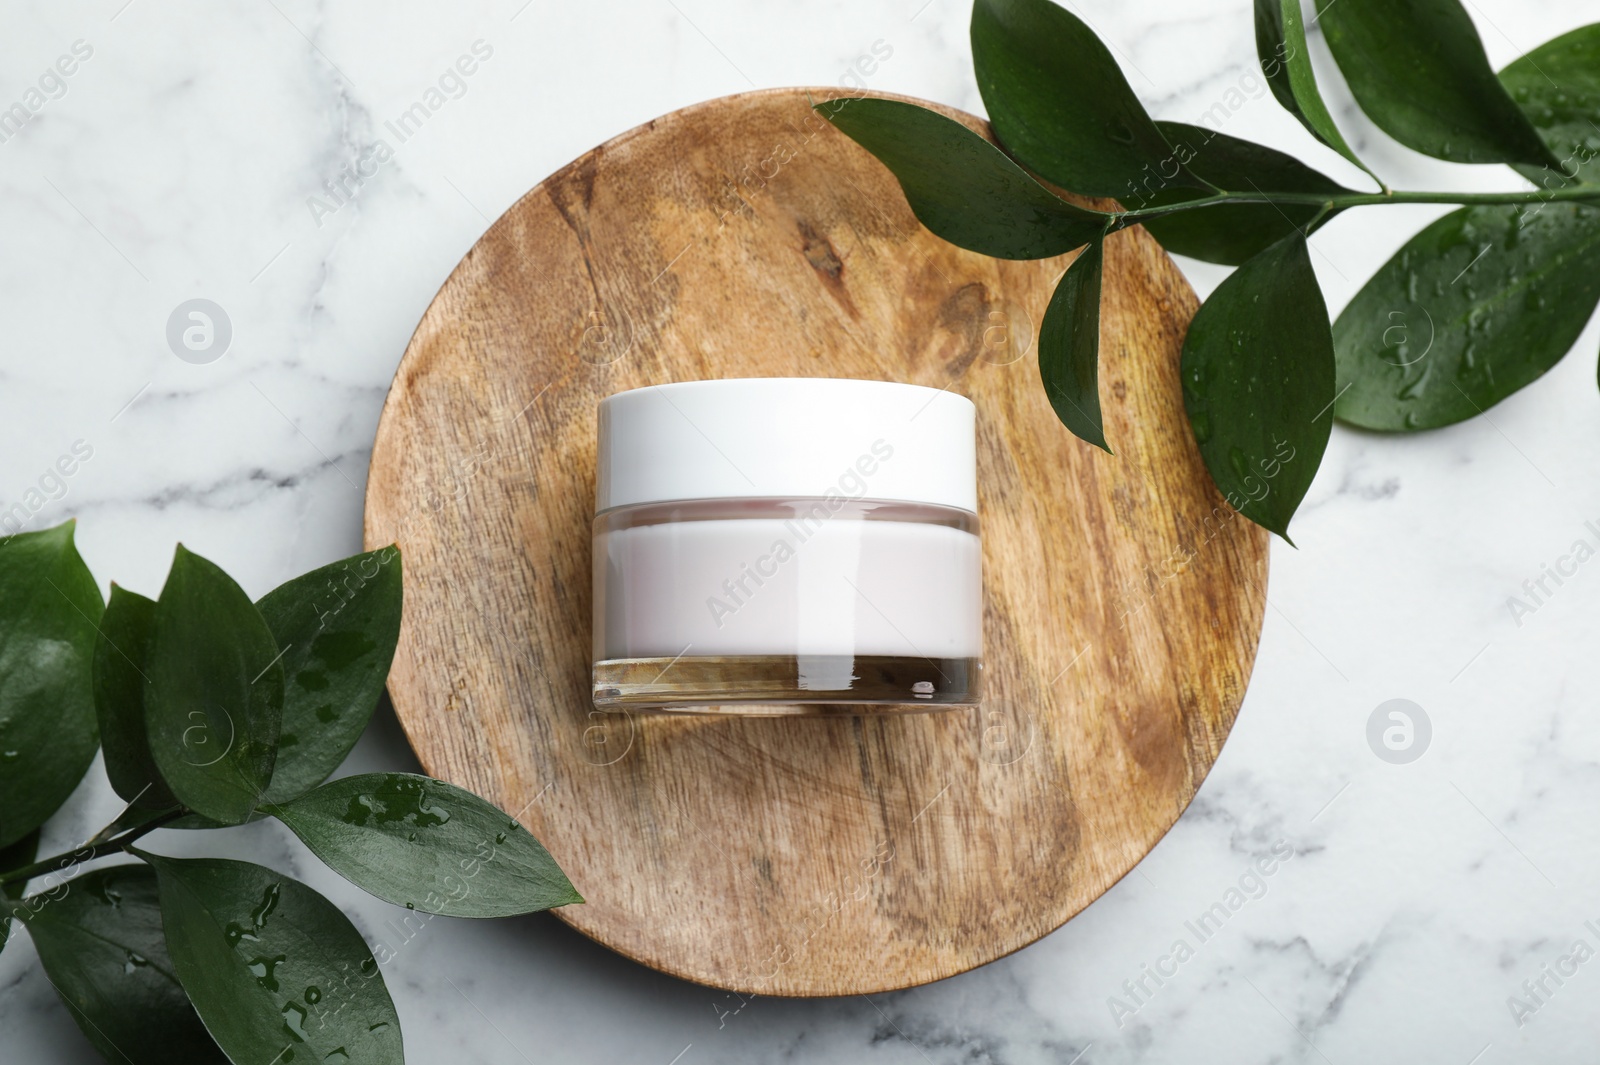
745,237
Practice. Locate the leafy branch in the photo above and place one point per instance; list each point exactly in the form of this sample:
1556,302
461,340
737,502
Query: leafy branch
1577,193
214,711
1261,365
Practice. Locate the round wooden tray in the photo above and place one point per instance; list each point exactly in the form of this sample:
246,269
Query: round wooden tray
745,237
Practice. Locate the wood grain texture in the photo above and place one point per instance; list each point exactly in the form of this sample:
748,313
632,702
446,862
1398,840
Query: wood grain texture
828,856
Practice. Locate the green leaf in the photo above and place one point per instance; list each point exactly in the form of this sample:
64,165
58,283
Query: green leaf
1059,103
272,966
1557,85
1069,347
1286,61
1258,382
213,693
960,186
1418,70
49,606
337,627
15,856
427,845
119,659
1231,233
1474,307
99,939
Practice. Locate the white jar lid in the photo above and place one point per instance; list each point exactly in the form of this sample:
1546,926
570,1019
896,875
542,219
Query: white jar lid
787,437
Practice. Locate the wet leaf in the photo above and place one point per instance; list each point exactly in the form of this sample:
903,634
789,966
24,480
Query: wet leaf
427,845
119,679
99,938
1060,104
213,692
1286,61
49,605
1258,383
1557,85
337,627
275,971
1231,233
1476,306
959,185
1069,347
1418,70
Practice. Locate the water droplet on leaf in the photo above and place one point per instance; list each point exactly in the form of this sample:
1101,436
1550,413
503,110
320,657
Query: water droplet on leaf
265,970
294,1020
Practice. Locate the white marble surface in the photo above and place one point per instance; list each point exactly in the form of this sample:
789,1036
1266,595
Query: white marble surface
179,163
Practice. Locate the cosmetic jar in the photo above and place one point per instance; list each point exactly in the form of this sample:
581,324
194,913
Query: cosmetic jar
786,546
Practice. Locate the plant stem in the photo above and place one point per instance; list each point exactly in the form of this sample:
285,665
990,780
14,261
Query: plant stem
1578,193
1316,218
84,855
131,817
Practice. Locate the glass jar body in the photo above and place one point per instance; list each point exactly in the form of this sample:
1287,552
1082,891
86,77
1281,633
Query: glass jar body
787,606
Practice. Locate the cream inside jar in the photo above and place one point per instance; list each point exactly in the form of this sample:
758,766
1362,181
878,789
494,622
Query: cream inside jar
786,546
